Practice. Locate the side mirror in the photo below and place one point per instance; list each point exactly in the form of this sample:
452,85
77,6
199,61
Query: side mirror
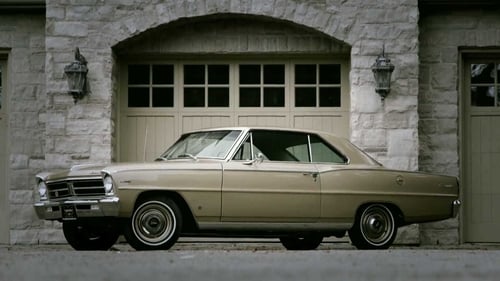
259,157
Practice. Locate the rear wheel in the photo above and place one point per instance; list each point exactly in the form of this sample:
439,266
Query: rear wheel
88,236
308,242
155,225
375,228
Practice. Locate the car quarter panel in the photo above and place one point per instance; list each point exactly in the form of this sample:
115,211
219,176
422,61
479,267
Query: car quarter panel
420,197
199,184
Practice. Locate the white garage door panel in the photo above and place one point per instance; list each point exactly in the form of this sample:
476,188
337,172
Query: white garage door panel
191,123
265,121
483,208
328,123
146,137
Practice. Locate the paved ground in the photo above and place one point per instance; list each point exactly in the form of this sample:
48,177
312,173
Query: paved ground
249,260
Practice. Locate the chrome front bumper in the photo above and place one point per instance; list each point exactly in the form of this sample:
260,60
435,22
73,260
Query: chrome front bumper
456,207
77,208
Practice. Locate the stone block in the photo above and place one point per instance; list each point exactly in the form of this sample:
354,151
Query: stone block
443,76
70,29
448,224
439,237
22,216
396,120
17,197
400,163
57,161
408,235
68,145
374,138
24,236
402,143
87,127
51,236
401,103
19,161
21,179
365,100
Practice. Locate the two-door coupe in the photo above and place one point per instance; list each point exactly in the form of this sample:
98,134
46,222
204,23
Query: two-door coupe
296,185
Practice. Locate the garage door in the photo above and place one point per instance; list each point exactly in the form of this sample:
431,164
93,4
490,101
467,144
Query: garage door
482,151
161,100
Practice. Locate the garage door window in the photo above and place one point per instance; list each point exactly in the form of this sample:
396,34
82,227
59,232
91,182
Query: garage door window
206,85
262,85
485,84
305,86
317,85
150,85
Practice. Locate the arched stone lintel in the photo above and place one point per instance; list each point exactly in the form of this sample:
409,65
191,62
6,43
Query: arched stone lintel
231,34
314,34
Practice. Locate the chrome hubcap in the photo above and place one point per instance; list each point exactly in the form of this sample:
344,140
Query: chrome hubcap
377,224
154,223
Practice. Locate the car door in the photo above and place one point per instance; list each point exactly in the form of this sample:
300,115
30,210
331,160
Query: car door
280,185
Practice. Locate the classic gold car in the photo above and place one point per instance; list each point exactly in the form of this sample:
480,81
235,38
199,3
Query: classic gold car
295,185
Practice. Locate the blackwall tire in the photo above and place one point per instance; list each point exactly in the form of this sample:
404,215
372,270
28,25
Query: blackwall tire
375,228
155,225
88,236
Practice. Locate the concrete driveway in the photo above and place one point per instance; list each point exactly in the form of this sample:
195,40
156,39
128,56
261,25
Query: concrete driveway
249,260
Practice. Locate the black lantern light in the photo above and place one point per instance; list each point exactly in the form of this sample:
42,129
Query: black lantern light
76,73
382,70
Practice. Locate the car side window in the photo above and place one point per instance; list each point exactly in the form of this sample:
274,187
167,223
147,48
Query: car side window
281,145
245,151
324,153
288,146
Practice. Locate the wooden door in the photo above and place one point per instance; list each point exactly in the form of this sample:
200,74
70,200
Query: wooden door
481,167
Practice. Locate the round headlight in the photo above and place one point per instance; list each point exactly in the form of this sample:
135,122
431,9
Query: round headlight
42,190
108,185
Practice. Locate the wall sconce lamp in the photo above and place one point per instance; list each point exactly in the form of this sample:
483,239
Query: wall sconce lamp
382,70
76,73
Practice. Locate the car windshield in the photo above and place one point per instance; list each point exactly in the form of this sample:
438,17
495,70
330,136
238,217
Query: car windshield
208,144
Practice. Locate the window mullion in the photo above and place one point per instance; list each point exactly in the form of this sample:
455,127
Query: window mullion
262,85
150,85
317,85
496,87
206,86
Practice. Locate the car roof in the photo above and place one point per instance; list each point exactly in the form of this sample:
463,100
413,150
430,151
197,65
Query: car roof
348,149
250,128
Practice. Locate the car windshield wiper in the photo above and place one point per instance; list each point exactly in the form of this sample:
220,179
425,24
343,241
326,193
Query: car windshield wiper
161,158
187,155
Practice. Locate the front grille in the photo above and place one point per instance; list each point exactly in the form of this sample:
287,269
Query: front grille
58,190
87,187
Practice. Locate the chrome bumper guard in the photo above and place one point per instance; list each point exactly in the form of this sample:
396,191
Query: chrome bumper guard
77,208
456,207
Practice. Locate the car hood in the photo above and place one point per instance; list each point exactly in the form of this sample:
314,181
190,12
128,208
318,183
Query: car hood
95,170
78,171
163,165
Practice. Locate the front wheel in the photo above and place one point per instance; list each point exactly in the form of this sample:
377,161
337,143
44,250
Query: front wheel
374,228
155,225
88,236
309,242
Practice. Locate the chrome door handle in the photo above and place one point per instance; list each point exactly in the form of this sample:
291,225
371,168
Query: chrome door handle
314,175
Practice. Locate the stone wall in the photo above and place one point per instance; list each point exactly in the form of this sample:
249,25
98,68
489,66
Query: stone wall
22,38
84,132
441,36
